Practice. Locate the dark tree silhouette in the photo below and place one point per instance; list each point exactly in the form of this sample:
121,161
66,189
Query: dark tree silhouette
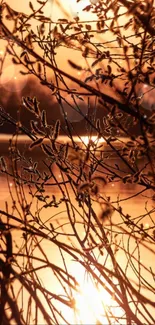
72,250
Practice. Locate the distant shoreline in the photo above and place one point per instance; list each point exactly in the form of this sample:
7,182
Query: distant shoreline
24,142
62,138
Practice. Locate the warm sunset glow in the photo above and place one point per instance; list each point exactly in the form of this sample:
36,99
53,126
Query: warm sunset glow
11,78
76,8
77,171
70,8
91,304
93,139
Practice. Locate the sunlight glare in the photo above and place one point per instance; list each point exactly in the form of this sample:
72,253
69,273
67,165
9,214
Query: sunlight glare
77,8
71,8
12,80
93,139
91,304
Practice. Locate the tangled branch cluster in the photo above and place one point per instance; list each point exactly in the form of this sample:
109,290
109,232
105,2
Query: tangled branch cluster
63,222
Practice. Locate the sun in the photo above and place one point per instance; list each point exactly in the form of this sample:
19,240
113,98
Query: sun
91,303
89,307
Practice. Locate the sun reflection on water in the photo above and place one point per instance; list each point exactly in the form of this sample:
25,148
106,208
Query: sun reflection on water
92,140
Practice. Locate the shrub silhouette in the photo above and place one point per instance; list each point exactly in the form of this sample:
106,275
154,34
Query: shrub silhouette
65,235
